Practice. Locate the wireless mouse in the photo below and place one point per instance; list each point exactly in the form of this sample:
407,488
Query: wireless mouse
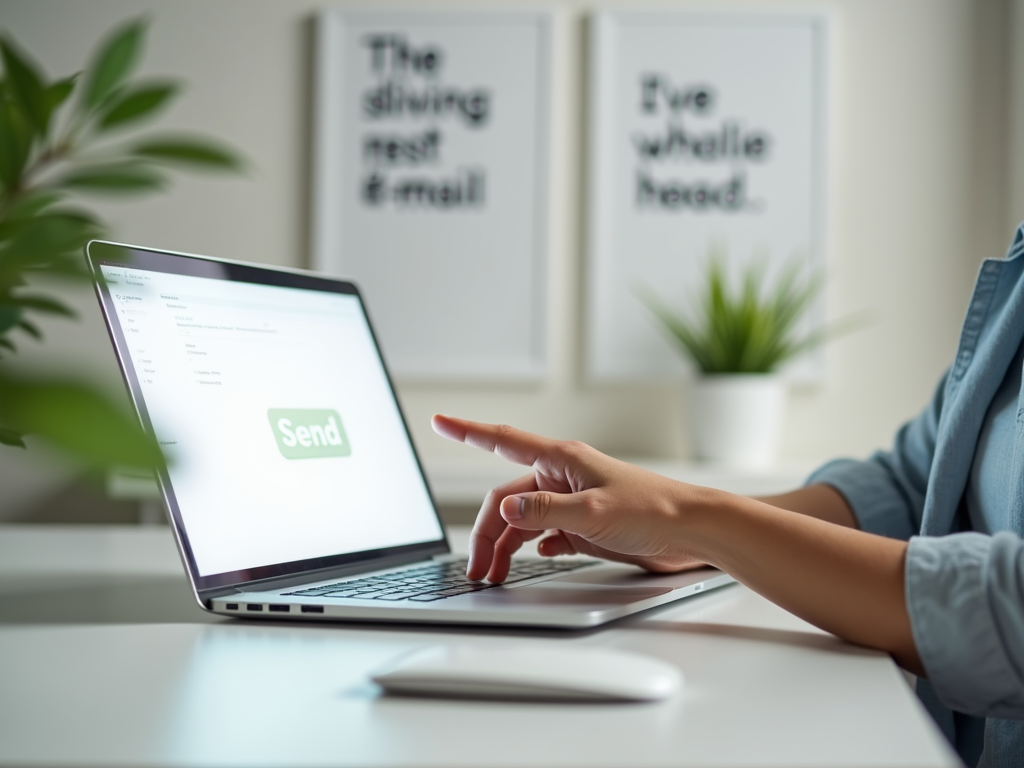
533,672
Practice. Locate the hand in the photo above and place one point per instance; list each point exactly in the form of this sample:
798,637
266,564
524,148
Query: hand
845,581
586,502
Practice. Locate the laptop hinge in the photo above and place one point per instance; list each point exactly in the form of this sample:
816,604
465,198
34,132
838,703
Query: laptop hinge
282,582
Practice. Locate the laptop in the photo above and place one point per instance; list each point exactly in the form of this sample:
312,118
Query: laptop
292,484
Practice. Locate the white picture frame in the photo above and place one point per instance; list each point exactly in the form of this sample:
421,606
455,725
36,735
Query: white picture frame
738,75
448,112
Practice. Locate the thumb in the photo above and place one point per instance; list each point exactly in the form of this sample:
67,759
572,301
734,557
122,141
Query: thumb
540,510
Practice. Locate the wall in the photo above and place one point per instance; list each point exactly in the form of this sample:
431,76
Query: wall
920,191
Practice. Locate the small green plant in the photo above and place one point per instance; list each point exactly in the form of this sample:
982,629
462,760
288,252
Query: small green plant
749,330
60,139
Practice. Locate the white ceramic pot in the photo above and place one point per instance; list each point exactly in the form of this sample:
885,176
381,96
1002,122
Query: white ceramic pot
737,418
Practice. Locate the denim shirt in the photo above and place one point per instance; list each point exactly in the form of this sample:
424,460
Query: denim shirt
964,589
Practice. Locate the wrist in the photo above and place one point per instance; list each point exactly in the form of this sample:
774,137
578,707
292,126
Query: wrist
704,516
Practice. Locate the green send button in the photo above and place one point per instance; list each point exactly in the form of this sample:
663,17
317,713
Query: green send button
308,433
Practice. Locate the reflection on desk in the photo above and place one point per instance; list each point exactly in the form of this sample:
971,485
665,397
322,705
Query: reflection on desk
762,687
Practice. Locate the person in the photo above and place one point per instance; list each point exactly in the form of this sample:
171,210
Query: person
916,551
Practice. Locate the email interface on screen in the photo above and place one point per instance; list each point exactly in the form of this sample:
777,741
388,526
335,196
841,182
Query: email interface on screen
273,407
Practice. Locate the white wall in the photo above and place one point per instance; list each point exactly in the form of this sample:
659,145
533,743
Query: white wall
924,183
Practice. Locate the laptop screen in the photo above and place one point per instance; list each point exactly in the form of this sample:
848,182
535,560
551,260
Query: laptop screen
284,439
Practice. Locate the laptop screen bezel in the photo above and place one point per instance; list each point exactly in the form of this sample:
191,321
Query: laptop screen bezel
101,253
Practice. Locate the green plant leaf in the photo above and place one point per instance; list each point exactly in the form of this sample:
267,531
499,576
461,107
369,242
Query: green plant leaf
747,330
59,91
25,87
189,151
120,178
10,316
42,304
114,62
15,143
77,418
41,241
11,438
52,242
681,329
68,265
31,329
136,104
835,329
30,204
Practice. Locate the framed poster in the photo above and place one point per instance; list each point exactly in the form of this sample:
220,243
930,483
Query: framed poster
431,183
708,132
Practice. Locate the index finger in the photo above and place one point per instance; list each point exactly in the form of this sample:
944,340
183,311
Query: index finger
512,444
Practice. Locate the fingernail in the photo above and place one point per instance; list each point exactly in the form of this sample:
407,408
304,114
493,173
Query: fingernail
513,511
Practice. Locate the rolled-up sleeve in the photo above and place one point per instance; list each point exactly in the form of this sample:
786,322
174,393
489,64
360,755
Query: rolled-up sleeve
887,491
965,596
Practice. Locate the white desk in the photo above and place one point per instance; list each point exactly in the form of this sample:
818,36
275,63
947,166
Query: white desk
94,672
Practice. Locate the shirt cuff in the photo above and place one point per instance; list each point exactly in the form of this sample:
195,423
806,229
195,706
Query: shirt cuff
868,488
955,628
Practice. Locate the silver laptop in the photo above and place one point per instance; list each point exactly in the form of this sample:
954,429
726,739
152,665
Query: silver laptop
293,487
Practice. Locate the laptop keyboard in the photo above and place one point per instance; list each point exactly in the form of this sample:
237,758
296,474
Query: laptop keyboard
424,584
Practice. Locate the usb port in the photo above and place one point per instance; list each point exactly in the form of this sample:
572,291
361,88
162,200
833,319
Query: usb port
253,607
280,608
312,609
232,606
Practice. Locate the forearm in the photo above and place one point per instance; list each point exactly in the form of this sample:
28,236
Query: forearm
846,582
820,501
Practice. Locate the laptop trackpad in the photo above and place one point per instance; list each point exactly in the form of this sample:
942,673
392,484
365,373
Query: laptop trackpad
556,593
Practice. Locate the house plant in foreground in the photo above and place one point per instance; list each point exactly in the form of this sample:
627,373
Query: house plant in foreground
60,140
738,339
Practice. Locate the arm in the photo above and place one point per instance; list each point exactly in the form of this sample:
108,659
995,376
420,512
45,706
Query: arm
818,500
965,594
845,581
842,580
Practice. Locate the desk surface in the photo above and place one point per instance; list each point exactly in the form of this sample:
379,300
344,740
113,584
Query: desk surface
104,661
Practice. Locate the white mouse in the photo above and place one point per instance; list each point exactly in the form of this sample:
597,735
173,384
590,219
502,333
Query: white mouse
535,672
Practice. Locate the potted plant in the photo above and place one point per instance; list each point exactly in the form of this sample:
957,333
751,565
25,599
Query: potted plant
738,339
59,140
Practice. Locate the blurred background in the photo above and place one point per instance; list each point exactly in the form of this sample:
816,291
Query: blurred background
925,179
